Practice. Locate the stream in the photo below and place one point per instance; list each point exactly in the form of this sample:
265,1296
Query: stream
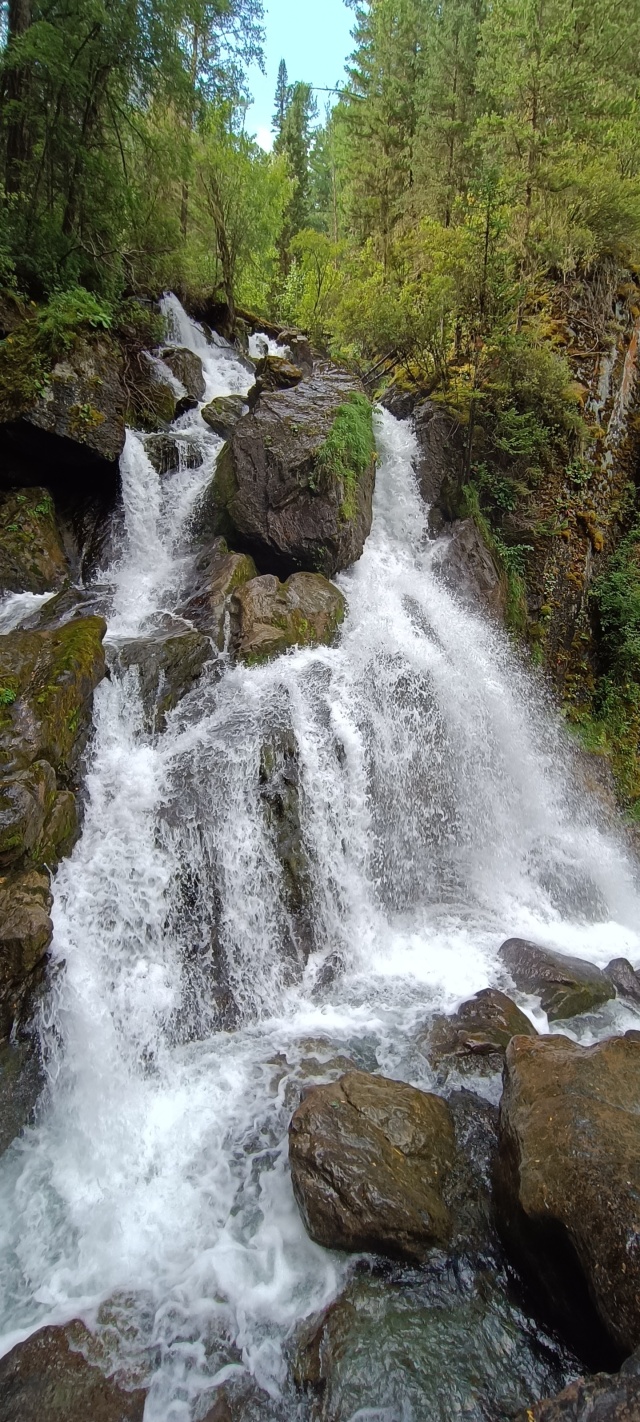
439,815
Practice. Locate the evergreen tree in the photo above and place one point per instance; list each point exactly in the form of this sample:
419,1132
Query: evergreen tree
281,100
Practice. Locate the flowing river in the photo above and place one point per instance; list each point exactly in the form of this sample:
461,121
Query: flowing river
439,815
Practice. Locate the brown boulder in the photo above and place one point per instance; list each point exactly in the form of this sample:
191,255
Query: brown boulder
568,1182
565,985
601,1398
478,1034
32,558
369,1158
275,373
295,482
272,616
47,1379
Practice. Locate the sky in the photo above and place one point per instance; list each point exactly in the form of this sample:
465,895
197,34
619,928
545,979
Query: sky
314,39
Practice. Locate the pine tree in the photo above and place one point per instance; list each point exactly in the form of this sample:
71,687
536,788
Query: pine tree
282,99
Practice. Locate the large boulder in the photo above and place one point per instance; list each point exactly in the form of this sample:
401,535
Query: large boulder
568,1183
601,1398
369,1160
565,985
624,978
186,366
274,373
47,1379
47,680
32,558
294,484
168,666
272,616
476,1037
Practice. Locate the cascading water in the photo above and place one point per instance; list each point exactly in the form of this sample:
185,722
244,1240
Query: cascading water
438,816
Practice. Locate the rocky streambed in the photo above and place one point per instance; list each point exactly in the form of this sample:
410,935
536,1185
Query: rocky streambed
291,1128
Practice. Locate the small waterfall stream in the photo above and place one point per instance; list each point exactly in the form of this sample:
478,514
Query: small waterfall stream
438,816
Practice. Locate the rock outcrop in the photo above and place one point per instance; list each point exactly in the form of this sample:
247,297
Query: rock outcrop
32,557
566,986
369,1160
47,1379
186,366
168,666
272,616
47,679
568,1183
625,979
468,568
601,1398
218,574
274,373
223,413
294,485
476,1037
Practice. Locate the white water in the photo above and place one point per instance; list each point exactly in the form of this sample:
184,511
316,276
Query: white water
16,608
438,819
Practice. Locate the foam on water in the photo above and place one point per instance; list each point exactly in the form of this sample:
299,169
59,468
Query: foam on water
17,608
439,815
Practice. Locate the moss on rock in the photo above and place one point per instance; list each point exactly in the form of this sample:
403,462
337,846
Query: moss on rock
32,558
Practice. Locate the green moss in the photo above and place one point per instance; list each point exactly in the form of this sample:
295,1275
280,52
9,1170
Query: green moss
348,451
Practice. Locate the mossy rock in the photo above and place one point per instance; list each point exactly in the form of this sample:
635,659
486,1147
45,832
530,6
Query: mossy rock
47,680
219,573
223,413
168,666
25,935
274,616
26,800
32,558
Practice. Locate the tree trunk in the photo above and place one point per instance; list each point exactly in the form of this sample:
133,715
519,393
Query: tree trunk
16,92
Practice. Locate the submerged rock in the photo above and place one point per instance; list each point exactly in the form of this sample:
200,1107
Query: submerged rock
295,482
568,1182
369,1159
478,1034
32,558
272,616
187,368
168,665
223,413
602,1398
47,1379
566,986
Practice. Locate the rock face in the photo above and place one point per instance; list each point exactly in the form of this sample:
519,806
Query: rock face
223,413
369,1159
32,558
168,666
624,978
568,1182
601,1398
82,404
47,1379
478,1034
47,679
273,616
468,569
187,368
295,482
21,1081
565,985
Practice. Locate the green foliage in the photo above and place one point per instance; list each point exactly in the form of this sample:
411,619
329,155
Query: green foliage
348,450
616,595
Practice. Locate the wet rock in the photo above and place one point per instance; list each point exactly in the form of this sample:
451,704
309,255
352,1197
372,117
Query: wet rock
298,344
21,1082
25,935
467,567
26,802
369,1158
439,446
223,413
566,986
601,1398
47,680
274,373
295,482
280,797
624,978
168,666
478,1034
568,1184
187,368
272,616
219,573
81,407
47,1379
32,558
168,452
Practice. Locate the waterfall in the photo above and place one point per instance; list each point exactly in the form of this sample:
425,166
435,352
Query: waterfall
439,815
